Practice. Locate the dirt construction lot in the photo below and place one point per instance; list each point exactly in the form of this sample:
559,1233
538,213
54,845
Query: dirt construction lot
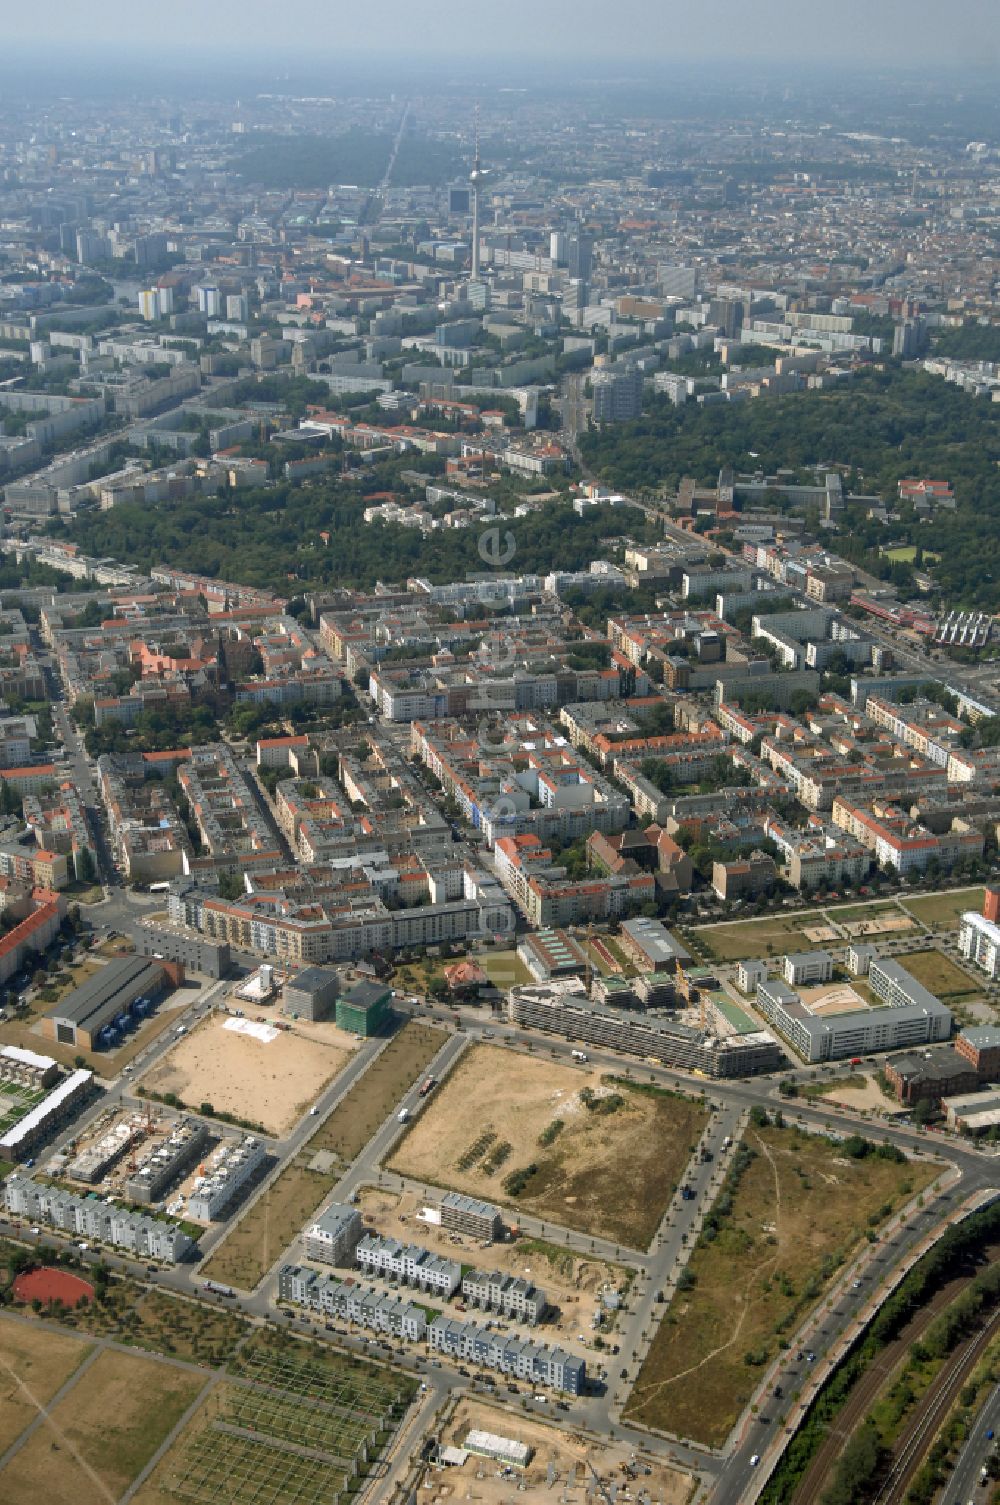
102,1433
271,1084
571,1456
571,1283
606,1173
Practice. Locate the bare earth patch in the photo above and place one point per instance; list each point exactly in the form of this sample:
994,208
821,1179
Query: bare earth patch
610,1174
798,1208
271,1084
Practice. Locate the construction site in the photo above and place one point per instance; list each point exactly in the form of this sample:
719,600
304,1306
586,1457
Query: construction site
584,1293
493,1456
140,1155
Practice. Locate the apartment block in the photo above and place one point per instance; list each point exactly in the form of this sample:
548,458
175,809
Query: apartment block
472,1217
979,942
335,1235
408,1263
95,1219
552,1367
323,1293
510,1295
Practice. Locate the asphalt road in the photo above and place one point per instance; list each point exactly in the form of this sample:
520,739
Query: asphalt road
966,1477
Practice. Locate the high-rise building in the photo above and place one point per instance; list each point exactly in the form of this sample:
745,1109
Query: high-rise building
677,281
580,255
727,313
238,307
908,339
209,301
617,394
476,177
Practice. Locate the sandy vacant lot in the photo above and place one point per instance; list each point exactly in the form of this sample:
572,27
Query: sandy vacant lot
610,1174
569,1454
571,1283
880,925
270,1084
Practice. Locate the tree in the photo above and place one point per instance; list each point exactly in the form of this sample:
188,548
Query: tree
86,870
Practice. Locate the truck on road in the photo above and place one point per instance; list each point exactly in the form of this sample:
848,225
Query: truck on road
427,1085
578,1055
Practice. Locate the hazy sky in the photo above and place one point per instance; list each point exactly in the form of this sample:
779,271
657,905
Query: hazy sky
642,32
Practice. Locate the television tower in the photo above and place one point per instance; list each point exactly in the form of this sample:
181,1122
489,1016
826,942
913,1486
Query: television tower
476,176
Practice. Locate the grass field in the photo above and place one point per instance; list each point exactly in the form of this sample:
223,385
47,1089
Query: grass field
102,1433
370,1101
940,974
944,909
777,934
248,1252
906,553
853,1082
763,1261
34,1363
505,969
759,938
609,1174
285,1431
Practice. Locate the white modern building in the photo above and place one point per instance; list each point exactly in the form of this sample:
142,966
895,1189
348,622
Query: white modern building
334,1237
408,1263
912,1016
807,969
979,942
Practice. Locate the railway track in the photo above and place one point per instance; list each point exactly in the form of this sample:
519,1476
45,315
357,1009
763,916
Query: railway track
932,1412
859,1402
